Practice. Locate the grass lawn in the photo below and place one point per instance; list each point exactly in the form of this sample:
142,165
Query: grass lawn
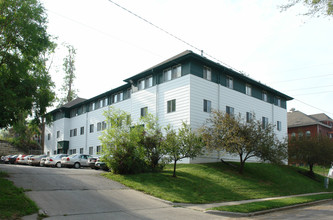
13,201
272,204
216,182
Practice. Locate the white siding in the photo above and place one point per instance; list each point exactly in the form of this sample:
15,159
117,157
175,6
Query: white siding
189,92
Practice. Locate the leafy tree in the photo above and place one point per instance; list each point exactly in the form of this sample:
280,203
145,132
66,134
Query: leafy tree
183,144
230,134
69,67
23,41
120,143
315,7
151,143
317,150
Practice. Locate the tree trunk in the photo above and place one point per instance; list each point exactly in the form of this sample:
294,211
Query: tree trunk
42,139
174,168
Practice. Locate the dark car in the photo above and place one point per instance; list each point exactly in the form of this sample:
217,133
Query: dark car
10,159
101,165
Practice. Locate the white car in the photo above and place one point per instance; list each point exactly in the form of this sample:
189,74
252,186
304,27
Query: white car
75,160
54,161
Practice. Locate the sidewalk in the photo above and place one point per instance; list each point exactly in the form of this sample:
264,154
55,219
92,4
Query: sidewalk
203,207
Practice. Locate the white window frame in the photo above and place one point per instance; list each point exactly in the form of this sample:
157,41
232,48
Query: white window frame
143,111
207,73
279,125
249,117
230,82
264,96
230,110
207,106
171,106
264,122
248,89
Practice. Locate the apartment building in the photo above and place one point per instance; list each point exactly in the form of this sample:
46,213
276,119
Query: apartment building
185,87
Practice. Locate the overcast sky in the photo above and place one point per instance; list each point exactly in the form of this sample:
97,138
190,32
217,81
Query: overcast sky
284,50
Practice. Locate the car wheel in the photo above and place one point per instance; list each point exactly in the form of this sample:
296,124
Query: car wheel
58,165
77,165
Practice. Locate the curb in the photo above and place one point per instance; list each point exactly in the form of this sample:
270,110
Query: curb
239,214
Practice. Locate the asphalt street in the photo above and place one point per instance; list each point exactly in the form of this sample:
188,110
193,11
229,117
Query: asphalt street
83,194
64,193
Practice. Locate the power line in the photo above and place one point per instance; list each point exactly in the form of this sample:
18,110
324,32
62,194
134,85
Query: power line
314,107
172,35
103,32
310,77
314,93
316,87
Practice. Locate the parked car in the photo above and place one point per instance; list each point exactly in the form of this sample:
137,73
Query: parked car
91,162
75,160
20,159
35,160
54,161
10,159
101,165
42,162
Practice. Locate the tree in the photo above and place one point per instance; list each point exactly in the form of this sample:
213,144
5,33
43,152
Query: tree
69,67
183,144
317,150
230,134
315,7
151,143
120,143
23,41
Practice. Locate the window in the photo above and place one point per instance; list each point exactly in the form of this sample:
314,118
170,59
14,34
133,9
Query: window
167,75
278,101
308,133
99,126
144,111
141,84
248,90
71,133
74,151
98,149
176,72
81,150
91,150
278,125
75,132
81,130
54,152
207,105
171,106
120,96
103,125
91,128
172,73
249,117
264,122
207,73
97,105
58,134
149,82
293,135
264,96
49,136
230,82
105,102
230,110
